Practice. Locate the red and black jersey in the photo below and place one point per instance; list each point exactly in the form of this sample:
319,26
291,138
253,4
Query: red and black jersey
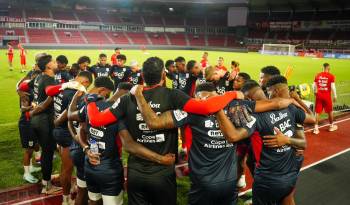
40,83
99,70
61,103
184,81
135,78
62,76
120,74
224,84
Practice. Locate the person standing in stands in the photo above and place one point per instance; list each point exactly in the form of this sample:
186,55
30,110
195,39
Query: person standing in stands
114,60
23,57
324,86
10,56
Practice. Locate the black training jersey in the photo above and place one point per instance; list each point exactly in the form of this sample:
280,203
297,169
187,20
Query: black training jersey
99,70
105,136
136,78
201,79
276,161
160,99
120,74
211,158
223,85
62,76
61,103
40,84
184,82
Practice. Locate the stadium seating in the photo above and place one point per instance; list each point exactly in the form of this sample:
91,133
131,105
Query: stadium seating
15,13
63,15
218,41
37,14
153,20
195,21
87,16
217,21
157,38
118,37
95,37
41,36
177,39
132,19
109,18
69,37
138,38
174,20
231,41
196,40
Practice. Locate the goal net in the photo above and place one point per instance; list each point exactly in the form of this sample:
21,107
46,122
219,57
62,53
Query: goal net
278,49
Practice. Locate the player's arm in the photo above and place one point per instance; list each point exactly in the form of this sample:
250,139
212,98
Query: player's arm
139,150
25,104
334,91
123,88
42,106
73,113
309,115
273,104
279,139
230,132
72,131
61,118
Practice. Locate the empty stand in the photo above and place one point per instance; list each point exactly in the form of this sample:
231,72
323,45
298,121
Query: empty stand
196,40
87,16
95,37
63,15
178,39
40,36
153,20
69,37
110,18
157,39
118,37
37,14
138,38
218,41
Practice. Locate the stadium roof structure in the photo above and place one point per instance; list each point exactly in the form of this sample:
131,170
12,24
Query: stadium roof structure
299,4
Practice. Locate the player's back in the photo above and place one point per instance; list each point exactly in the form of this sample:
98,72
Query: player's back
323,82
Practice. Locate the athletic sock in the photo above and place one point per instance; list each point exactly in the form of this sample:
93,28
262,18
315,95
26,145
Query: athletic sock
26,169
316,127
65,197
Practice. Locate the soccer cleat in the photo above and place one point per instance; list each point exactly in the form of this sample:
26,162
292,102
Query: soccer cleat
33,169
30,178
241,182
50,189
333,128
316,131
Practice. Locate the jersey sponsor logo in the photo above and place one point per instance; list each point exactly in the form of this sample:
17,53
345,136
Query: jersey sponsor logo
139,117
151,138
208,124
218,144
143,127
115,105
102,74
153,105
30,143
182,83
220,90
280,117
101,145
180,115
96,132
252,122
284,125
215,133
160,138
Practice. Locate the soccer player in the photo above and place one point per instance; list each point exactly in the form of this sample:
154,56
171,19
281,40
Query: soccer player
324,86
114,60
234,69
154,178
197,72
135,75
61,133
220,78
204,61
10,56
28,139
170,69
102,68
120,72
42,118
62,75
277,168
23,57
220,65
266,74
240,80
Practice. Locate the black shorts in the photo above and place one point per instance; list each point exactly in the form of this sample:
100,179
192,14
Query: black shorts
156,190
106,178
272,192
223,193
62,136
78,158
28,139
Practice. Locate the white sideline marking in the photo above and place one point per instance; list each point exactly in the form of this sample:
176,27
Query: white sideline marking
35,199
336,122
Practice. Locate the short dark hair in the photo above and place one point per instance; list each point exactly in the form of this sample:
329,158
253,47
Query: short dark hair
325,65
62,59
278,79
117,49
152,70
180,59
169,63
234,63
102,55
84,59
271,70
125,86
250,84
245,76
207,86
121,57
43,61
86,74
191,64
104,82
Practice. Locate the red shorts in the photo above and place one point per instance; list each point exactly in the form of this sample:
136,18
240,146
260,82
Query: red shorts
324,101
10,58
23,61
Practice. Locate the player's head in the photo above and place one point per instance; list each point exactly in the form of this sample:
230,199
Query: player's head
212,74
194,67
180,63
153,71
84,78
62,62
117,50
267,73
121,59
326,67
252,91
9,45
220,61
102,58
103,86
277,86
234,64
205,90
84,62
34,74
37,57
240,79
134,65
74,70
205,55
47,64
170,66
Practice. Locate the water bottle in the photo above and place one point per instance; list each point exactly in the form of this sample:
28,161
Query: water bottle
93,147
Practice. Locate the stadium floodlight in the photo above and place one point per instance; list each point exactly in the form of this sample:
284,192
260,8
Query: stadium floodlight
171,9
278,49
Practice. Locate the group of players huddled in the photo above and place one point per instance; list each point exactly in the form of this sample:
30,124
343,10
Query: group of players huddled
225,120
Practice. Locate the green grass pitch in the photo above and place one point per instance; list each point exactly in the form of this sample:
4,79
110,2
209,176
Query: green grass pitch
11,169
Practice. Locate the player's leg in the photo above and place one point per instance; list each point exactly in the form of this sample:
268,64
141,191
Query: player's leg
113,200
318,111
10,59
95,198
289,200
66,173
82,193
241,161
165,185
77,156
328,108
